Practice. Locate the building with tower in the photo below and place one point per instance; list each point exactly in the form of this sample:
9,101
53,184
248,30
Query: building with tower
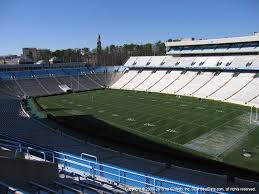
99,50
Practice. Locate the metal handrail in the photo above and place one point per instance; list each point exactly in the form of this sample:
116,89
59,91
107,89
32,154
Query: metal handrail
45,151
36,150
89,155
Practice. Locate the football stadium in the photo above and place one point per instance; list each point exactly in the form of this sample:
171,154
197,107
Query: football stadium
129,97
186,122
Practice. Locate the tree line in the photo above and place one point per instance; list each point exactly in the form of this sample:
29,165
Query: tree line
109,55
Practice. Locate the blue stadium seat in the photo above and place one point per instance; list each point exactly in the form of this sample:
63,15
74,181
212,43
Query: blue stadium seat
22,74
57,72
5,76
83,70
99,69
71,71
40,73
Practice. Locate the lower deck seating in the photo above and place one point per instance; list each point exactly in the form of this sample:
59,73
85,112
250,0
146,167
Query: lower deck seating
181,82
125,79
10,87
139,79
31,87
151,80
39,86
166,81
50,84
231,86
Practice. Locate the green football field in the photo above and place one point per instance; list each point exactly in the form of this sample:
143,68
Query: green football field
212,129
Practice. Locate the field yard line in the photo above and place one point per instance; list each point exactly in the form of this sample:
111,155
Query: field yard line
179,112
193,129
172,117
177,101
149,113
173,128
224,116
161,107
163,119
216,119
130,129
204,125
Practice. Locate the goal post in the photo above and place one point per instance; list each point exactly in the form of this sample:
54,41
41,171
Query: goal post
253,115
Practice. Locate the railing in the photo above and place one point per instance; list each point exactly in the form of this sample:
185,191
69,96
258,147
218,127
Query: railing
88,155
84,167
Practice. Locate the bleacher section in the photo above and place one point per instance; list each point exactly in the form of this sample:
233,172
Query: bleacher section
165,82
211,62
138,79
151,80
196,83
125,79
46,81
219,80
180,83
226,78
233,86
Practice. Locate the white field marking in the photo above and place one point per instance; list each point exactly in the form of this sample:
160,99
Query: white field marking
101,111
172,131
73,112
166,117
179,126
79,105
149,124
115,115
215,143
189,103
184,133
44,106
153,100
219,118
219,111
137,131
172,118
203,126
89,108
130,119
160,116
